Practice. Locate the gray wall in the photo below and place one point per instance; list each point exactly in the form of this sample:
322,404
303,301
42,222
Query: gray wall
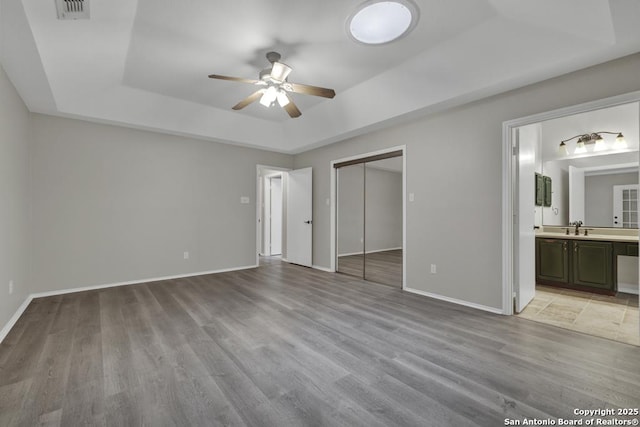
454,168
350,214
598,196
14,199
383,203
114,204
383,209
558,212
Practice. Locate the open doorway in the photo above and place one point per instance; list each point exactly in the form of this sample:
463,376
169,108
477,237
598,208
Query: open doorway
271,214
369,217
573,252
284,223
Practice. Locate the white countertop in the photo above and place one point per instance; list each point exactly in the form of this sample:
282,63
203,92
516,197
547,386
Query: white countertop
596,236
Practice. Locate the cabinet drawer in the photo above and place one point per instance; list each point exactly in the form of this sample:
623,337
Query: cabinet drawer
624,248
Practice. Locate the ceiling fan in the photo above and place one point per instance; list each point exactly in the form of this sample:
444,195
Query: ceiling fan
274,87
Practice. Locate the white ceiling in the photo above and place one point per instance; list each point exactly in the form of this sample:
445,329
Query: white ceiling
145,63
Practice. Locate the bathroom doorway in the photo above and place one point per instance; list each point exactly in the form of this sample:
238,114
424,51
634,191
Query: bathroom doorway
565,167
271,186
369,217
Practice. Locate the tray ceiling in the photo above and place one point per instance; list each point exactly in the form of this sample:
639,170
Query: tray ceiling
145,63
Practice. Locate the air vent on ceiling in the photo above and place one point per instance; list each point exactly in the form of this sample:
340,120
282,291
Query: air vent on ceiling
72,9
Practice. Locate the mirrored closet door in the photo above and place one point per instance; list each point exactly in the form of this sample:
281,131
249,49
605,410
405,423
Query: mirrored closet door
369,218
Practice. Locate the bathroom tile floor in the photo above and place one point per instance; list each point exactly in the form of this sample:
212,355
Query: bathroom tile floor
613,317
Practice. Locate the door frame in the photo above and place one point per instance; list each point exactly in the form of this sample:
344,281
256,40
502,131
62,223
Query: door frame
334,204
259,197
509,190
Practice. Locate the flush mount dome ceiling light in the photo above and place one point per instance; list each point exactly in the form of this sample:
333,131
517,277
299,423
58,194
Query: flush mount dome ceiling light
378,22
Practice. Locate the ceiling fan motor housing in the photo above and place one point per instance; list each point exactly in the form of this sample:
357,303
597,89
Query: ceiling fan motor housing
273,57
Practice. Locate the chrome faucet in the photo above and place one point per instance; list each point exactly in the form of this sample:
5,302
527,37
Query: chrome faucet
576,224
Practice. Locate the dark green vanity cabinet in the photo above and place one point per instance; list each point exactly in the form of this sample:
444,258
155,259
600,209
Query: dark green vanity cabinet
589,265
552,260
592,264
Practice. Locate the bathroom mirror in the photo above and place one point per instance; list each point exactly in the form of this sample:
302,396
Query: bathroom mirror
593,184
600,191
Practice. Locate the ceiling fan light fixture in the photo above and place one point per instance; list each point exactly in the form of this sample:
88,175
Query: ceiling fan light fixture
269,96
377,22
283,99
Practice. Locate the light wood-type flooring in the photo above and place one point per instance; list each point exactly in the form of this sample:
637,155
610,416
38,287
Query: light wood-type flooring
283,345
613,317
383,267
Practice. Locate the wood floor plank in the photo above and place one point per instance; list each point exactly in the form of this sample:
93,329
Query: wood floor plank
286,345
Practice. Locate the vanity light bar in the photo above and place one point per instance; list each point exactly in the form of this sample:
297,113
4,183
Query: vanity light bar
592,138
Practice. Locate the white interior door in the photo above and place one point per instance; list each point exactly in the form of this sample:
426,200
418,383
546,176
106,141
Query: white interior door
527,142
299,216
576,194
275,216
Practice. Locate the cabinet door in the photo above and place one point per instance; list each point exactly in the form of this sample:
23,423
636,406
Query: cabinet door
552,260
593,264
539,190
547,191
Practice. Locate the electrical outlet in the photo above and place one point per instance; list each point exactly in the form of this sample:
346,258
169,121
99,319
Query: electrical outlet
10,287
244,200
412,197
433,269
186,255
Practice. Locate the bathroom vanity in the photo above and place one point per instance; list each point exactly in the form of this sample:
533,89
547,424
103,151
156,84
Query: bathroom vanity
583,262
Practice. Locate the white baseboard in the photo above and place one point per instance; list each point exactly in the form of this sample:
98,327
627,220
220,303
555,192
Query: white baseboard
136,282
319,267
25,304
370,252
11,323
628,288
456,301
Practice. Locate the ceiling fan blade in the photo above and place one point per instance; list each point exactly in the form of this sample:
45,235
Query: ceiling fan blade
233,79
312,90
292,109
249,99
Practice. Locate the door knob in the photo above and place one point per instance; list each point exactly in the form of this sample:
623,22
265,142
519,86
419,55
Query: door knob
307,222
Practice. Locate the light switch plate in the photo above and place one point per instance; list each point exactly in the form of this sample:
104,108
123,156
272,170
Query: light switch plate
412,197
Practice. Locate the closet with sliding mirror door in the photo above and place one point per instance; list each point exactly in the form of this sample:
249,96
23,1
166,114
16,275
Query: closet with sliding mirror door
369,218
